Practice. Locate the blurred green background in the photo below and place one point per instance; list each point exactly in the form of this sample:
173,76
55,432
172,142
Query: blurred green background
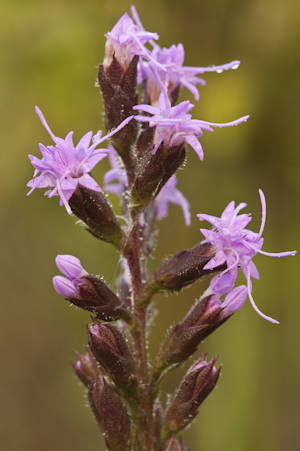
49,51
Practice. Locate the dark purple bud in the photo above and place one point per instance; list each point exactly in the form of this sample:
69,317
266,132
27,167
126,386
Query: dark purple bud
87,291
96,297
195,387
153,173
111,414
184,268
110,349
86,367
172,444
118,88
93,209
204,317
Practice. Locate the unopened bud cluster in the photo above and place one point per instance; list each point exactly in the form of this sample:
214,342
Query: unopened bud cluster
148,134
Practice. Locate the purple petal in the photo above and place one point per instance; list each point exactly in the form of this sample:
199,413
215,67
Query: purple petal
212,219
221,283
65,287
235,299
227,214
195,144
70,266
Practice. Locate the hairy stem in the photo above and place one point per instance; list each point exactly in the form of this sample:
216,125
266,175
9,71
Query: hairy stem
133,255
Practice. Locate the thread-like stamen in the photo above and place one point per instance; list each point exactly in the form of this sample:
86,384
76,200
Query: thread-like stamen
268,318
263,212
43,121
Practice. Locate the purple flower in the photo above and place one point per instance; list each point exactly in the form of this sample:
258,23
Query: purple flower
234,300
171,194
168,193
125,41
64,166
236,246
115,174
174,73
71,267
175,126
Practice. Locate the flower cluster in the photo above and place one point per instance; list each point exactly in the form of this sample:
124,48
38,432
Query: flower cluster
64,166
236,246
175,126
169,64
126,40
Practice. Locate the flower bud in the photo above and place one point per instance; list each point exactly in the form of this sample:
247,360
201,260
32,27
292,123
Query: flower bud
96,297
88,291
70,266
184,268
205,316
110,349
153,173
111,414
86,367
172,444
93,209
65,287
119,94
195,387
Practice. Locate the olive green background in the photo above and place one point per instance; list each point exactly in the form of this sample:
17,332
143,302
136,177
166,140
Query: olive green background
49,51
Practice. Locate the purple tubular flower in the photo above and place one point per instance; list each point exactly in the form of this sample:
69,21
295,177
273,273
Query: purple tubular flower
175,126
168,193
71,267
65,287
125,41
171,194
116,173
233,301
64,166
175,73
236,246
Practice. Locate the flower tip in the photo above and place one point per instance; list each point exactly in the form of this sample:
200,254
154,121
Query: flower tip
39,113
235,64
261,195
